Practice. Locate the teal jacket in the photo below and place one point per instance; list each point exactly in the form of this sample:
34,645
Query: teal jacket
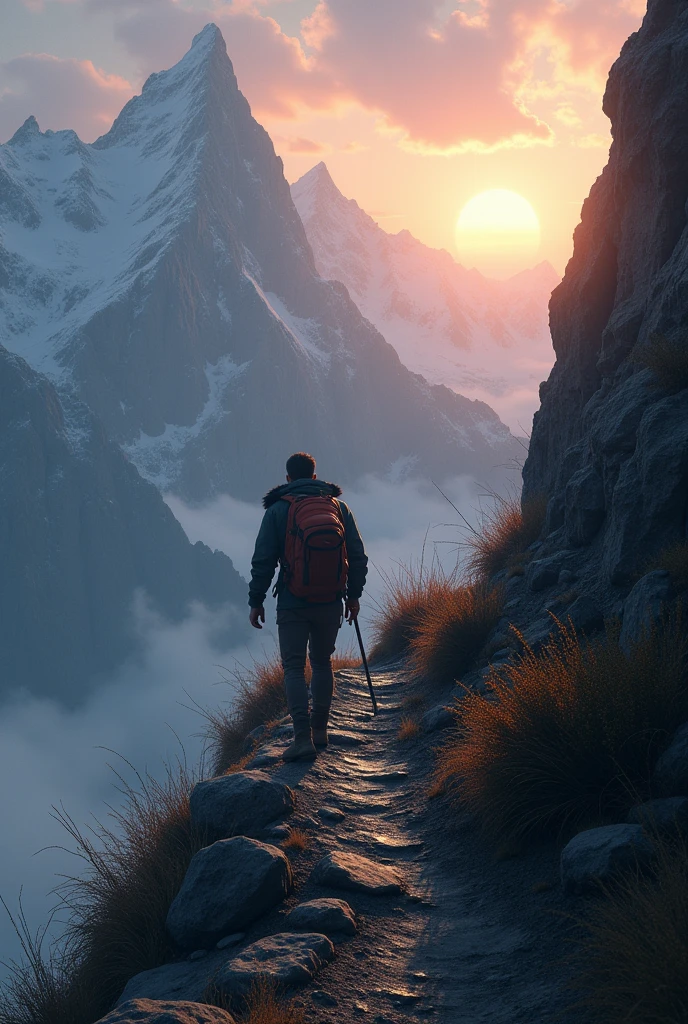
269,551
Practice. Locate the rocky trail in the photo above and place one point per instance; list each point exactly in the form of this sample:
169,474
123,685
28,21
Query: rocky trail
445,930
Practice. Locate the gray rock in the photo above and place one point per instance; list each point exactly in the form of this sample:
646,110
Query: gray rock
671,771
239,804
286,960
567,577
341,870
332,814
228,886
544,572
151,1011
253,737
599,854
231,940
643,606
329,916
585,615
187,980
323,998
439,717
669,814
585,509
198,954
277,833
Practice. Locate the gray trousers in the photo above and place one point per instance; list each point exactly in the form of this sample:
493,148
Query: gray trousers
314,628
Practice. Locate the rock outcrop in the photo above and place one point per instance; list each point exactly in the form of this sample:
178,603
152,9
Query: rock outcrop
81,533
609,446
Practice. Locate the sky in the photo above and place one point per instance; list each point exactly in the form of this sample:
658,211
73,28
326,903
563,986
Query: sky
416,106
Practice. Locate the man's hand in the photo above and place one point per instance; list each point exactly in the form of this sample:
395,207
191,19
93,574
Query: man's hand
256,617
351,609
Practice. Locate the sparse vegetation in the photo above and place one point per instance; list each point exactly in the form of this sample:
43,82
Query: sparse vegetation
634,955
409,594
507,530
667,359
117,909
297,840
259,699
452,632
568,736
409,728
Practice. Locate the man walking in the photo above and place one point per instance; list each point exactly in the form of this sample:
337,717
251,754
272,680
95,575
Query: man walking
313,537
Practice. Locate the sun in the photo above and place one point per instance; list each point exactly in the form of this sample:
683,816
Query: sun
498,232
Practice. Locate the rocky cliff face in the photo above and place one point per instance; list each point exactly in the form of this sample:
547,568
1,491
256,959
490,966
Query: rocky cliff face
80,533
165,275
485,339
610,444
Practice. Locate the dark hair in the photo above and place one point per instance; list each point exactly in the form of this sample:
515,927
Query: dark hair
300,465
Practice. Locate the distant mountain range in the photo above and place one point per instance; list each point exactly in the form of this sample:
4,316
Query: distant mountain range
164,277
483,338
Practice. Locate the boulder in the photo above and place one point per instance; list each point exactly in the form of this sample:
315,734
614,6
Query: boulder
670,814
585,615
341,870
286,960
439,717
228,886
671,771
584,506
328,916
643,606
544,572
186,981
153,1011
331,814
241,803
599,854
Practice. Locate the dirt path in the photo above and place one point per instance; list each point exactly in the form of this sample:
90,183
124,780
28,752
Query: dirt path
476,939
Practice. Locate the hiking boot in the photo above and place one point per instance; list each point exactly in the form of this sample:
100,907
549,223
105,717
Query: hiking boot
319,728
301,749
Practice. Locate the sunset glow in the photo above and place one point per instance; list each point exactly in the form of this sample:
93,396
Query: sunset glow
497,231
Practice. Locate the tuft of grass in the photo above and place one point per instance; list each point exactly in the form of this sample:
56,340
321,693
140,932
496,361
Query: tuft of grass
436,789
508,528
569,736
409,593
297,840
117,909
668,361
674,560
409,728
259,699
634,952
453,631
263,1005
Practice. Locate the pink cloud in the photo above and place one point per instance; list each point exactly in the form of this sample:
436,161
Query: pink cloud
61,93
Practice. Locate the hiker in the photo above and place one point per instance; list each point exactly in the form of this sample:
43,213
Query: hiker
314,538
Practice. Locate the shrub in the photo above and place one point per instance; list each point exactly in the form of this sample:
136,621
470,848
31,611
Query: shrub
566,737
259,699
409,593
506,531
297,840
668,361
409,728
452,631
262,1006
635,947
117,910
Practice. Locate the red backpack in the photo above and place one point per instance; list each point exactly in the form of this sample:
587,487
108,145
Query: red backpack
315,562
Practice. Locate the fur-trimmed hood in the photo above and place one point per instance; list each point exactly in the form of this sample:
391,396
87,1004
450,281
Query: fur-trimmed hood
314,487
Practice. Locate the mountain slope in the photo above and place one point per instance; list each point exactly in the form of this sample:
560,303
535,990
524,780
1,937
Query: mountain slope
448,323
163,274
81,533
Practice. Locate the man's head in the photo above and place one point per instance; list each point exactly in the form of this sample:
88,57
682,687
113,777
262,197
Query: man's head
300,467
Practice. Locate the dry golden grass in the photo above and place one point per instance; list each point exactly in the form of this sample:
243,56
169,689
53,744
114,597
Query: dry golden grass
668,361
408,729
409,593
569,736
263,1005
634,958
453,631
297,840
117,909
436,789
507,529
259,699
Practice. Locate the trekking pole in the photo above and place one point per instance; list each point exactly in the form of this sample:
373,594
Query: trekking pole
365,665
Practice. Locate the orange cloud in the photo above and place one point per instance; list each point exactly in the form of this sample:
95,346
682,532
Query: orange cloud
61,93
